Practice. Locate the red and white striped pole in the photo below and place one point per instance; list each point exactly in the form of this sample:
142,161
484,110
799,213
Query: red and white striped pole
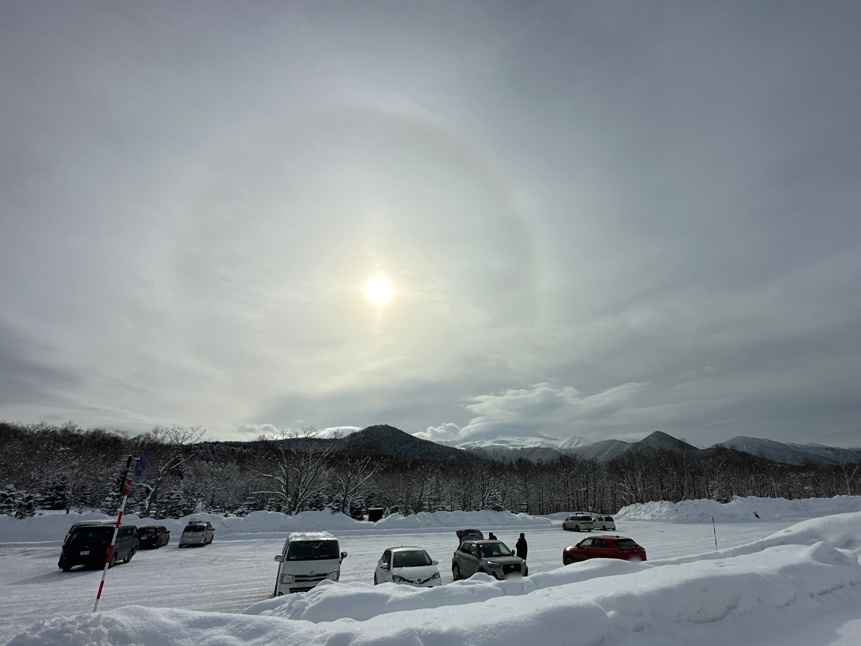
127,483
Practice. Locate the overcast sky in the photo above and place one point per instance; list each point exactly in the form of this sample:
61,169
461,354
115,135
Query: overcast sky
598,219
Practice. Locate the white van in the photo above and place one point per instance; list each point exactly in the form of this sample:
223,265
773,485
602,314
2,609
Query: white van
307,559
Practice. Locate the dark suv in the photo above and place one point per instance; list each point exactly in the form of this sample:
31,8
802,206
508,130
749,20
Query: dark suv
489,556
87,544
153,536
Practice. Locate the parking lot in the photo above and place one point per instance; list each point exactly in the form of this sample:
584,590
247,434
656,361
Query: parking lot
234,572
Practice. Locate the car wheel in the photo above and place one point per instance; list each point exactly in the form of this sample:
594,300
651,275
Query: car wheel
65,568
129,557
113,561
455,573
576,528
567,560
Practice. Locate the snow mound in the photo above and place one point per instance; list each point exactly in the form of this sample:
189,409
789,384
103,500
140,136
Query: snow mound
739,509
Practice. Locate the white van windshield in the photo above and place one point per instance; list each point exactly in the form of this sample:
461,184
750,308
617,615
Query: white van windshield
312,550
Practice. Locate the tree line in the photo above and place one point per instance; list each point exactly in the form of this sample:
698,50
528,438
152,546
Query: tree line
67,467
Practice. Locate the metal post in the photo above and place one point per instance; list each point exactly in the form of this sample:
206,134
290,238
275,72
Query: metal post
127,482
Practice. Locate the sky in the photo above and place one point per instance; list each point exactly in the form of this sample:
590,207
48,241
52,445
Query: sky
596,219
716,574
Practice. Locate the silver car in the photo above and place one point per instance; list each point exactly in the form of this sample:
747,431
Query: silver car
578,523
407,565
197,532
489,557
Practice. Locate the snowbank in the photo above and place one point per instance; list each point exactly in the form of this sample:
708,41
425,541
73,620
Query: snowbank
743,594
739,509
52,527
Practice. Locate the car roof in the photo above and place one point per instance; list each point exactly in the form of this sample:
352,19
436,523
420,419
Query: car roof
404,548
311,536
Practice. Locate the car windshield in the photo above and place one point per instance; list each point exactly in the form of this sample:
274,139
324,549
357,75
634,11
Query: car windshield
194,528
312,550
413,558
149,530
91,535
494,549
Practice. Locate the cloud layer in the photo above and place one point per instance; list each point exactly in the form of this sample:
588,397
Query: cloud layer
599,220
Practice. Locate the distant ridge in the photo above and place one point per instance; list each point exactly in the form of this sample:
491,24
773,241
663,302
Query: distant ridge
542,448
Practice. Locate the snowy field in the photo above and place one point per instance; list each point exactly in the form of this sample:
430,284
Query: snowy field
784,572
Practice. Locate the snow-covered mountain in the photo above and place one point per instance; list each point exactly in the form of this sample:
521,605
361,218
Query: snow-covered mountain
789,453
539,447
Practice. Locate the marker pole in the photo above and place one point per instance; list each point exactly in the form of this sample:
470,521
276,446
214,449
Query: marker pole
714,529
127,483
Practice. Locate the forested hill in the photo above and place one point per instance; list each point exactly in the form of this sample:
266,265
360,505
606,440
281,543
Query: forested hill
388,440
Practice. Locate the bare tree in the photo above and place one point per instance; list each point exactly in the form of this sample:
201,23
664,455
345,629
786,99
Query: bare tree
350,477
294,467
167,448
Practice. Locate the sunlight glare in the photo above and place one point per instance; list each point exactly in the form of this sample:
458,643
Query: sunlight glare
379,290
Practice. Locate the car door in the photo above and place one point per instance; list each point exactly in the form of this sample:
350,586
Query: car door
472,560
584,550
381,574
602,549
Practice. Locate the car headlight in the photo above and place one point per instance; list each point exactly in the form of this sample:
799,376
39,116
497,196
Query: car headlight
333,575
494,563
287,578
397,579
435,576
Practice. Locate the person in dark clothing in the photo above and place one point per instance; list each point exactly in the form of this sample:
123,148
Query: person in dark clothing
521,546
492,536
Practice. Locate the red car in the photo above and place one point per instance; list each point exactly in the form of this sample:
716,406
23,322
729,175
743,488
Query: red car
604,547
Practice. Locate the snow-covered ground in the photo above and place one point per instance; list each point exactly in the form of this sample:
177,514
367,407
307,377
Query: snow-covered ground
784,572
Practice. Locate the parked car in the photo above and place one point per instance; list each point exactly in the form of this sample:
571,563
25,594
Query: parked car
604,547
88,544
469,535
489,556
407,565
197,532
306,559
578,522
153,536
604,523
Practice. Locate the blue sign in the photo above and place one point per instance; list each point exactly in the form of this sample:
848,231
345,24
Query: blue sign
139,469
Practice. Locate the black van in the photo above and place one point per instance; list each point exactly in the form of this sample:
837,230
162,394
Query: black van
87,544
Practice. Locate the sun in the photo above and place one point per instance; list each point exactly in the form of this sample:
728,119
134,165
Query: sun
379,290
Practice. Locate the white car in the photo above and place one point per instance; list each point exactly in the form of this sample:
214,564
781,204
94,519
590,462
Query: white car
407,565
604,523
578,523
306,559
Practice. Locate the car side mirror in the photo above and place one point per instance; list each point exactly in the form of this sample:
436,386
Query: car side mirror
384,566
435,562
343,555
279,557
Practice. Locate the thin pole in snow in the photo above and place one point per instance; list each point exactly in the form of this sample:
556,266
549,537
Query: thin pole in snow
714,529
127,483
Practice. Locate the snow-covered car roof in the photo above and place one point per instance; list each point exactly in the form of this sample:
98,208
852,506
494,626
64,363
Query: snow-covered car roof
310,536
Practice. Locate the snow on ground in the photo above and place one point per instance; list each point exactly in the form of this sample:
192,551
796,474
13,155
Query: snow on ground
739,509
776,579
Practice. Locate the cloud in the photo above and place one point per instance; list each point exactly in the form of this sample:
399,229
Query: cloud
539,409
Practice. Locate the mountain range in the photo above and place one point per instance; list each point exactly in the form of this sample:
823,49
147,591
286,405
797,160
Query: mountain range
537,447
